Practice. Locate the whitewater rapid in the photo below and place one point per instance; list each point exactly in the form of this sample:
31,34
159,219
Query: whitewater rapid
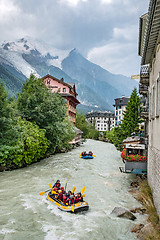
25,215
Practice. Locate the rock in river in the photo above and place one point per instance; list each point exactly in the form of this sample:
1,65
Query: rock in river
124,213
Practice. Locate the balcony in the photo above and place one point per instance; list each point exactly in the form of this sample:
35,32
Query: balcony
143,89
144,75
72,109
144,114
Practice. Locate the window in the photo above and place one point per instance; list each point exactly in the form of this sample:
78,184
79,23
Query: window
119,107
120,112
48,81
119,117
153,102
158,98
64,89
104,128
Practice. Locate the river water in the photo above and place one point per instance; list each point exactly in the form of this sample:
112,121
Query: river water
25,215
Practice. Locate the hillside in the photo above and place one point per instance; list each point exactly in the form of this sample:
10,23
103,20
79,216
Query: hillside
97,88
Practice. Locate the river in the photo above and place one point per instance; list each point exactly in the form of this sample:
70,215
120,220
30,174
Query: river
25,215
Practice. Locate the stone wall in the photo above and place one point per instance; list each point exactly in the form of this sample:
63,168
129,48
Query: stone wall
154,129
154,175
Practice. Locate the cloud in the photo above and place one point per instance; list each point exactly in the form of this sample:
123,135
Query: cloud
119,54
89,25
72,2
7,11
107,1
116,57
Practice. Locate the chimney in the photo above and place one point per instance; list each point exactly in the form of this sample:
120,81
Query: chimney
62,80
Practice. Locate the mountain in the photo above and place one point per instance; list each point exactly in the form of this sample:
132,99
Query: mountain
97,88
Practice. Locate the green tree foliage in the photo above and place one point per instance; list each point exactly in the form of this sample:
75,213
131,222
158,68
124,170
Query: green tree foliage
131,116
88,130
129,124
82,124
30,144
4,123
38,104
32,123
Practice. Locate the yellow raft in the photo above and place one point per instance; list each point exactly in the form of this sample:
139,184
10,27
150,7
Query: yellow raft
78,207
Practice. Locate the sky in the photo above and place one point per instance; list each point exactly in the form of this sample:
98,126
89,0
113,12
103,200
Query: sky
104,31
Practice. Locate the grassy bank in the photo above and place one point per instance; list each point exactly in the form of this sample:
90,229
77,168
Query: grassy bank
144,195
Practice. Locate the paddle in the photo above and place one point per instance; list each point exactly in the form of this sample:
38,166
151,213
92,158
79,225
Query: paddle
83,195
93,155
50,185
66,183
72,208
83,190
41,193
73,190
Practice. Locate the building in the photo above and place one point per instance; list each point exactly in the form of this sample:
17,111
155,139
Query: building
149,50
78,138
120,107
67,90
104,121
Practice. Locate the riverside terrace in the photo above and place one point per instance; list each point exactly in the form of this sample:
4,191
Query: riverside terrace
104,121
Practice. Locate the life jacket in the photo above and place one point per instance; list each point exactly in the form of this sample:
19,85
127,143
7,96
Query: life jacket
61,196
72,200
64,199
77,199
57,185
55,189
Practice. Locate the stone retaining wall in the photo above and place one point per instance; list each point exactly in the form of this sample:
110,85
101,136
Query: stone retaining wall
154,175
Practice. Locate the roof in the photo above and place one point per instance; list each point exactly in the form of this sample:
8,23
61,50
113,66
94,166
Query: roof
68,95
78,131
121,101
131,139
152,30
100,114
60,81
142,24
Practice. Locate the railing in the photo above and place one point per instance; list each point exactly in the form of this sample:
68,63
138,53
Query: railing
143,89
144,74
72,109
144,114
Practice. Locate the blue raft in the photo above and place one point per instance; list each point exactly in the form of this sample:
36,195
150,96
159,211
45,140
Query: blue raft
87,157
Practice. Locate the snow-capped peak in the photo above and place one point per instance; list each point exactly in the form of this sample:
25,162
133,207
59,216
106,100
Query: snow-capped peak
27,45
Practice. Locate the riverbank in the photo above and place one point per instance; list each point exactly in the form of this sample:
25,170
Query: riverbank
12,166
142,192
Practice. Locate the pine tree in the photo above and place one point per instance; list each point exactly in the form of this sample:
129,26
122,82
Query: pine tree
129,123
131,116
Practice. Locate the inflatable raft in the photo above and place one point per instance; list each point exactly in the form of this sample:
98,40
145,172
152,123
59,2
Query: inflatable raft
87,157
78,207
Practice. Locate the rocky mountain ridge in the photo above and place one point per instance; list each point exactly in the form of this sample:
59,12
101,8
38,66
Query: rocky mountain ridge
97,88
